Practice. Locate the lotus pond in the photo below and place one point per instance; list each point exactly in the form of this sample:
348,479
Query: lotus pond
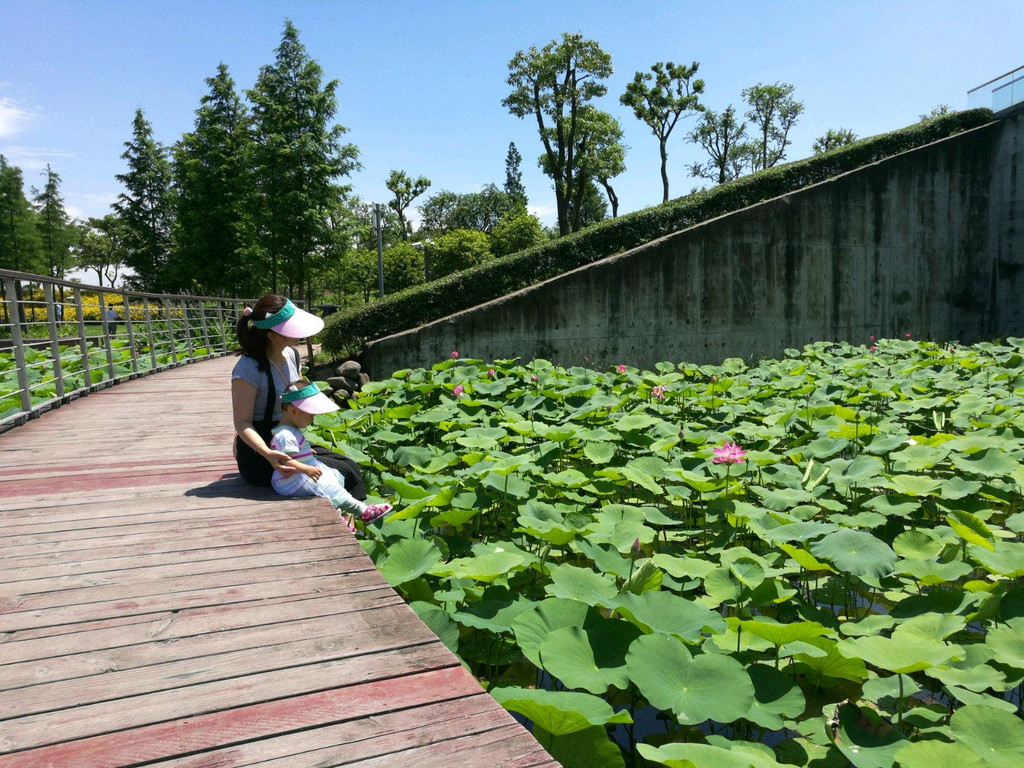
843,586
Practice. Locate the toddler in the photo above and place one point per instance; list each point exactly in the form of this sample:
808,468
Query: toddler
299,404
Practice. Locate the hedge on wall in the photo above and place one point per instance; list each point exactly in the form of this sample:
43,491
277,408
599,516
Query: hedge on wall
347,332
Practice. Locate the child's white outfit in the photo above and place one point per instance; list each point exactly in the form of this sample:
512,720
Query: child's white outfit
330,485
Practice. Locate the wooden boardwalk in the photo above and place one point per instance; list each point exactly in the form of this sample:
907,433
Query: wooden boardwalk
154,610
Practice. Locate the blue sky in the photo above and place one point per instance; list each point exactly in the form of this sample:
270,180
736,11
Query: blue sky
422,81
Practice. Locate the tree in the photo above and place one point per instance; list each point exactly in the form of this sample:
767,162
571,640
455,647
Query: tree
516,232
722,139
405,189
660,98
939,111
553,84
297,156
773,111
55,231
19,239
514,177
600,157
101,247
214,249
458,250
833,140
145,207
604,155
447,211
403,267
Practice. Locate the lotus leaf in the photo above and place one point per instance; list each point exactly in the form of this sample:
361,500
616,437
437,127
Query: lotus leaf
536,623
484,567
799,531
913,485
1006,642
407,560
666,613
915,458
495,612
832,665
558,712
705,756
593,658
972,698
439,622
1007,559
672,679
991,462
995,736
866,739
684,567
938,754
931,572
781,634
856,552
589,748
580,584
776,696
971,528
805,559
645,577
918,543
899,654
598,453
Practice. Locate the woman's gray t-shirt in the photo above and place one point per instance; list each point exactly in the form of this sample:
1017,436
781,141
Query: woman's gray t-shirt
247,369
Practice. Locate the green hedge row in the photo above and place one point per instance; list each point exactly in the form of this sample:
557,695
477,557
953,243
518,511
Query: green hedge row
348,331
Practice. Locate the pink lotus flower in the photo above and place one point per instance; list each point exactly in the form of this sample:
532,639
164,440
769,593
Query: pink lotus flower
533,378
620,368
490,373
458,390
659,392
871,338
455,355
872,348
907,334
637,546
728,453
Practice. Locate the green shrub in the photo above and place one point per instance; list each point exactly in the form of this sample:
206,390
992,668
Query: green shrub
458,250
348,331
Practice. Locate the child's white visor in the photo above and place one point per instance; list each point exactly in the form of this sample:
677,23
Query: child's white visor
310,400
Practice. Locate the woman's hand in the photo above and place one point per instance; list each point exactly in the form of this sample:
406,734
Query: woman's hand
280,461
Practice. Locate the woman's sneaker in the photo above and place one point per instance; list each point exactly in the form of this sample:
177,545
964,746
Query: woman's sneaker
373,511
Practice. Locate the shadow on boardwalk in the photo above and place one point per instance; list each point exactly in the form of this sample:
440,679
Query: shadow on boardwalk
156,610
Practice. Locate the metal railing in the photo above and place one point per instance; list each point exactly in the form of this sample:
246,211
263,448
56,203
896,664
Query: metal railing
999,93
61,340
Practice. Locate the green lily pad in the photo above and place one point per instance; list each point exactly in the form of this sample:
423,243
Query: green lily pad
533,625
558,712
589,748
593,658
580,584
776,697
856,552
672,679
440,623
408,559
666,613
996,736
704,755
938,754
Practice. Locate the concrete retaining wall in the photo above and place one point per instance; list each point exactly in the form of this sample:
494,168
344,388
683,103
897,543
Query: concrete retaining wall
928,242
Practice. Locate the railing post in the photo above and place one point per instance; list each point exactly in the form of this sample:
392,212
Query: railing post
51,313
149,331
170,330
188,331
106,334
223,328
206,333
83,341
19,346
127,304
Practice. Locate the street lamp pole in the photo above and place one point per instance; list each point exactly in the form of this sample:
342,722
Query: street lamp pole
378,225
424,246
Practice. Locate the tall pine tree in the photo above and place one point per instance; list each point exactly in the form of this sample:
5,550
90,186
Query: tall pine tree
297,156
514,176
55,231
19,241
214,249
145,207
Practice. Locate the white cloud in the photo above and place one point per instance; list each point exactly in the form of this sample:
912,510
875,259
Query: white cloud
33,158
13,119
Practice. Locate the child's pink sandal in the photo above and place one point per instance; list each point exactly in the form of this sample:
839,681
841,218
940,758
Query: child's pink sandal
374,511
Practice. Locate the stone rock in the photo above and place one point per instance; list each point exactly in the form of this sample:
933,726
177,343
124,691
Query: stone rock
349,369
338,382
364,379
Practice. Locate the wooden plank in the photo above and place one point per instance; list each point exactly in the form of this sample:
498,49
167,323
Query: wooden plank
213,730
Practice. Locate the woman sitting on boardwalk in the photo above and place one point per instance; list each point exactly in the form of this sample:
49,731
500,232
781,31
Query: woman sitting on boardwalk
267,335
